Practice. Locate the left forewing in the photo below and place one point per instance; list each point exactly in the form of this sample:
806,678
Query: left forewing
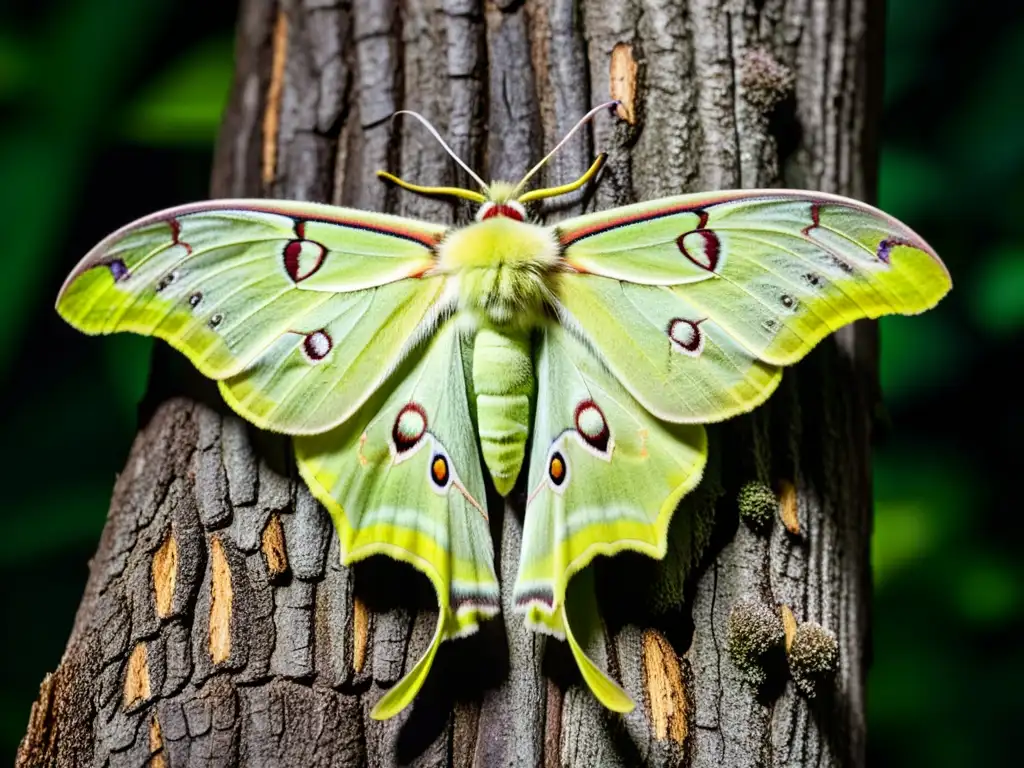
298,309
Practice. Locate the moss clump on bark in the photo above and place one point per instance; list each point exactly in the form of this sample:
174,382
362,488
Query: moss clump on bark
813,657
754,633
758,505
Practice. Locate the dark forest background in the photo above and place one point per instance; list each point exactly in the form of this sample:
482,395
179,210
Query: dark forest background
109,110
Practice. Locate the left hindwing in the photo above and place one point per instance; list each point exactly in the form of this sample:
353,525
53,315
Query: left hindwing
694,302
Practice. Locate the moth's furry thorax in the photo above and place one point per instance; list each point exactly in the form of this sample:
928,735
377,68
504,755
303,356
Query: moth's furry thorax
504,268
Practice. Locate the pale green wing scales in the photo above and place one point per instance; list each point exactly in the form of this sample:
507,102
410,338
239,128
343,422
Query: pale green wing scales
299,309
313,375
605,476
403,478
675,358
717,290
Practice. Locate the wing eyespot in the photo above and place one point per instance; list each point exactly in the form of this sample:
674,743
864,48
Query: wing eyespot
686,335
558,470
317,345
409,427
165,281
702,247
440,474
216,320
118,270
194,299
592,426
440,471
303,258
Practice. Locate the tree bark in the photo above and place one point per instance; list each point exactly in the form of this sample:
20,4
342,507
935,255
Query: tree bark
218,626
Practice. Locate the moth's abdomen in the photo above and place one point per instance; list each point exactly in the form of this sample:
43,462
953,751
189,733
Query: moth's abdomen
503,380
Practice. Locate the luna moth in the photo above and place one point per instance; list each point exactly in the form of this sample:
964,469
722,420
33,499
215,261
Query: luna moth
406,357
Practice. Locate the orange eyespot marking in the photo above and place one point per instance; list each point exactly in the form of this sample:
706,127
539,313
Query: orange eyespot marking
439,470
556,469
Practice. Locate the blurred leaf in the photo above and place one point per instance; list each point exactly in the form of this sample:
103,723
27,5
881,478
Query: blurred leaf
905,533
997,295
91,46
985,132
32,201
912,184
987,590
910,29
922,502
184,104
56,517
915,687
923,353
15,64
905,682
126,358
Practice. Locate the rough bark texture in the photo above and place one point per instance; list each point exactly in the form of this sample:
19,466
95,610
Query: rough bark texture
218,626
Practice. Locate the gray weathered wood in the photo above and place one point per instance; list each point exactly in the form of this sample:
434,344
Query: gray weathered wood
218,626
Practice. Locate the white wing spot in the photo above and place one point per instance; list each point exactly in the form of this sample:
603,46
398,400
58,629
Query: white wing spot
317,345
303,258
409,427
702,247
686,336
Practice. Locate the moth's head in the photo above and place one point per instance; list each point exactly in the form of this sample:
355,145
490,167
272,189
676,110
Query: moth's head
499,202
500,198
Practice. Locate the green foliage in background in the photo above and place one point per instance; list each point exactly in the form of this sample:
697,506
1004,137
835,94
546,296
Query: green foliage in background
110,110
948,615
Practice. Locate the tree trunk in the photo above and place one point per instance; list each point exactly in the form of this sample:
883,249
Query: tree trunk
218,626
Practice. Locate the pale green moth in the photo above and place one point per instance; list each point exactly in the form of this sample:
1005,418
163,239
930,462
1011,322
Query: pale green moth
405,356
